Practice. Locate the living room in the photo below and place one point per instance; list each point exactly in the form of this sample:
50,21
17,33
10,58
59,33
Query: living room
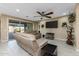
43,24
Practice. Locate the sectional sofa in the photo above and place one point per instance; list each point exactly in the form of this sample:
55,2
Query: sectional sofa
30,43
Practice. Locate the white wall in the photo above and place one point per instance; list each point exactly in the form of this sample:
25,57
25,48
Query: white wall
4,29
35,26
77,27
60,32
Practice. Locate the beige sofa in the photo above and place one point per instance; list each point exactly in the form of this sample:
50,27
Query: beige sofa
30,43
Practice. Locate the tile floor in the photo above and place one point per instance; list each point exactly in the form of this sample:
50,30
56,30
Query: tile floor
12,49
64,49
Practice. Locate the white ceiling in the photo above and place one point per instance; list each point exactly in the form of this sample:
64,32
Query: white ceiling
29,9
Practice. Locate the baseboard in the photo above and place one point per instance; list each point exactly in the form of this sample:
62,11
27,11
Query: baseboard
77,49
4,41
61,39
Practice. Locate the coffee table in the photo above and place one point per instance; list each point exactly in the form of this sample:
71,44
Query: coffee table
49,50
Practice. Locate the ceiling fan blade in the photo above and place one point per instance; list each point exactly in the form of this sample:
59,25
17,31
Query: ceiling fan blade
37,16
48,16
49,13
39,13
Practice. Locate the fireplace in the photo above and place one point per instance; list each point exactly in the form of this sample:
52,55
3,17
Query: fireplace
49,36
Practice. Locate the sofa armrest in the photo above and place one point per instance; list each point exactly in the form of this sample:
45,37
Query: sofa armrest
42,42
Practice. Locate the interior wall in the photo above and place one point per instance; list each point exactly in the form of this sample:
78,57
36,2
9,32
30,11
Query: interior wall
4,29
60,32
0,28
77,27
35,26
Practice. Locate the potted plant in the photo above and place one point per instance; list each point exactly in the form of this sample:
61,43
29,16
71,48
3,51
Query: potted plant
71,19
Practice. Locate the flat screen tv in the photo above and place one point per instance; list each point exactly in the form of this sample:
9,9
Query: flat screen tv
52,24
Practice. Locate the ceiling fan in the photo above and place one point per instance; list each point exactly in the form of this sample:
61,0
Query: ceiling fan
43,14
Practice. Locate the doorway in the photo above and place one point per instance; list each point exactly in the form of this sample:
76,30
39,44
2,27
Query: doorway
15,26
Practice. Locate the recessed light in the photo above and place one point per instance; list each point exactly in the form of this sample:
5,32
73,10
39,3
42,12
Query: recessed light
17,10
64,13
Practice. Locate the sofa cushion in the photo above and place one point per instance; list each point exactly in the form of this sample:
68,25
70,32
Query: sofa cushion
35,33
38,36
